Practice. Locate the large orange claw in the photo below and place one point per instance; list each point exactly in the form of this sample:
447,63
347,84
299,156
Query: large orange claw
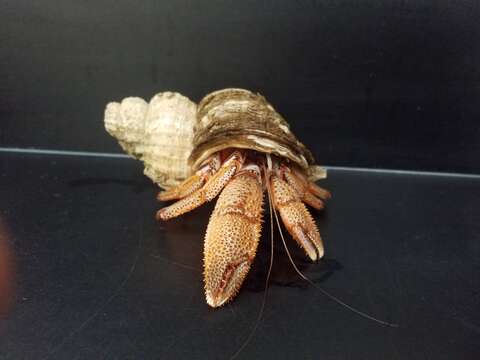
232,238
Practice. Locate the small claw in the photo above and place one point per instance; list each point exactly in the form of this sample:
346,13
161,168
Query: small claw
296,218
308,241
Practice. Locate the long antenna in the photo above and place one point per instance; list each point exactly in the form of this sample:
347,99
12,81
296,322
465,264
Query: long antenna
323,291
264,300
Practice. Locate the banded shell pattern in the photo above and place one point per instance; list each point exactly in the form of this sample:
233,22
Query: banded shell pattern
172,137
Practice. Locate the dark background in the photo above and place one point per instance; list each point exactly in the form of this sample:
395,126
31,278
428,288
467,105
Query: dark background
387,84
86,272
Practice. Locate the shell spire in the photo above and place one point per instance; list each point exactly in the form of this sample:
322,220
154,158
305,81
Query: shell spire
159,133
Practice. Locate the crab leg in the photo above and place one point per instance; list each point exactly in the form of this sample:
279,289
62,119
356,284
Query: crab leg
319,191
311,187
305,190
232,237
296,218
206,193
193,183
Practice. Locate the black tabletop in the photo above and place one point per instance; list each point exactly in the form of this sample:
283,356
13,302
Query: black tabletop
93,274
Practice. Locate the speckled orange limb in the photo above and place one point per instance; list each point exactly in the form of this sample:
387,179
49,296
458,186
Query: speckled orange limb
206,193
232,237
194,182
296,218
306,191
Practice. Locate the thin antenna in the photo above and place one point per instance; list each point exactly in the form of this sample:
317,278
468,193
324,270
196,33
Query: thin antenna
326,293
264,300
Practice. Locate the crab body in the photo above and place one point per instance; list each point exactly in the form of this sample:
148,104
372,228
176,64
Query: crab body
238,148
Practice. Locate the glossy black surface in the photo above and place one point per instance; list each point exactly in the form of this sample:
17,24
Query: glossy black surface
388,84
97,277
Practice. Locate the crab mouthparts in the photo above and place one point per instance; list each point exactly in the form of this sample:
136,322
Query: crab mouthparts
232,279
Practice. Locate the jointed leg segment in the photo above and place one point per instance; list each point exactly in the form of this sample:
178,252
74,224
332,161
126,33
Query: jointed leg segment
306,191
194,182
206,193
296,218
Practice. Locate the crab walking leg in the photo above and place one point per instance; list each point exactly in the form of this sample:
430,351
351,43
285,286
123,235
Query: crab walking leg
311,187
207,193
296,218
232,237
193,183
301,188
319,191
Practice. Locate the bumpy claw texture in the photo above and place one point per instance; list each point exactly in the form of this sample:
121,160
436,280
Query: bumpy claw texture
296,218
207,193
232,238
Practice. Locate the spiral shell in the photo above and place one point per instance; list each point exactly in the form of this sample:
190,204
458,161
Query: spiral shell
241,119
159,133
173,138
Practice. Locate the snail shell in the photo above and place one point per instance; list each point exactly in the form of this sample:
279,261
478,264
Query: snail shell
241,119
173,138
159,133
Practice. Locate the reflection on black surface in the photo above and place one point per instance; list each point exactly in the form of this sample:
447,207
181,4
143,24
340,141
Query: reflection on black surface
97,276
182,245
183,237
6,272
136,185
283,273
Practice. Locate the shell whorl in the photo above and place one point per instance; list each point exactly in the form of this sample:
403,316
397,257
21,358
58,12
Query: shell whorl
242,119
159,133
172,137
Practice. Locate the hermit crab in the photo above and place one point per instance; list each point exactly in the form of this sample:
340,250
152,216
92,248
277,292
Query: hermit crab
235,145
